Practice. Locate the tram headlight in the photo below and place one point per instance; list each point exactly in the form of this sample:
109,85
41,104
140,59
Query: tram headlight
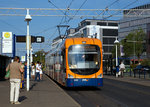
100,76
70,76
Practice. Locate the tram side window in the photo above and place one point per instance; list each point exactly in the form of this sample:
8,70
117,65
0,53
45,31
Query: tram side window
63,60
51,62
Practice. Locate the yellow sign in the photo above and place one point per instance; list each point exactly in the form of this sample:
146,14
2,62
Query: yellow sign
7,35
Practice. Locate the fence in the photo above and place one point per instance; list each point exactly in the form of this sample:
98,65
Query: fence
137,73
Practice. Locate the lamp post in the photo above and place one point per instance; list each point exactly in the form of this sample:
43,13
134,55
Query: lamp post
28,18
116,42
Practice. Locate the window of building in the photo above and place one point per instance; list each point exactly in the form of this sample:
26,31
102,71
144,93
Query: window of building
76,30
107,48
110,32
85,23
108,40
88,23
85,32
106,57
112,24
101,23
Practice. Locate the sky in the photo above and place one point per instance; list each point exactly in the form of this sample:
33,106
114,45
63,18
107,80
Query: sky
47,26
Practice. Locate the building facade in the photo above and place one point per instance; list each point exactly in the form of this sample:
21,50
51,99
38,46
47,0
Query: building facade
105,30
140,19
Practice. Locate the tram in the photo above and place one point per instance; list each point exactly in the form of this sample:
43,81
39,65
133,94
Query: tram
76,62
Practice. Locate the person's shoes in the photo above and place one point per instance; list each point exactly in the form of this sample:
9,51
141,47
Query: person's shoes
17,102
11,102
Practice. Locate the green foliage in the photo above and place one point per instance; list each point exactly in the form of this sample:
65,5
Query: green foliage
146,62
134,43
39,56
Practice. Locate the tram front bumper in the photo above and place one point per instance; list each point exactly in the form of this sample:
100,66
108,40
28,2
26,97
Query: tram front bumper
75,82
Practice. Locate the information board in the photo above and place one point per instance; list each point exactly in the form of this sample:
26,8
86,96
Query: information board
6,42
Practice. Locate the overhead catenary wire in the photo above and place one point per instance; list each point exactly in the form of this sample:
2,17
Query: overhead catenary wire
14,27
47,29
57,8
107,7
68,8
120,11
77,11
61,22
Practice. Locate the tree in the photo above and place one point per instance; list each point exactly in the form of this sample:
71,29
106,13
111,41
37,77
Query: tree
39,56
133,43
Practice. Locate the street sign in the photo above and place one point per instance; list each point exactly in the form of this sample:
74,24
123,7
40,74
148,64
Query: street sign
22,38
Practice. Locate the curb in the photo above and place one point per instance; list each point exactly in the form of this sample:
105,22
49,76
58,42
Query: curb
78,105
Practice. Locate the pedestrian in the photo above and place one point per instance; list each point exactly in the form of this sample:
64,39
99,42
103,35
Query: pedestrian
33,70
25,71
37,75
41,72
117,71
15,80
121,68
114,70
22,76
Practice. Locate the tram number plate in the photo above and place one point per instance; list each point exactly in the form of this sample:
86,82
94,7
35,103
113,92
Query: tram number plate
75,79
84,79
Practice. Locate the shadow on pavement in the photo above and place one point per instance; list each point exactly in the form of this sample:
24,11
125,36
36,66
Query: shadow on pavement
34,84
22,98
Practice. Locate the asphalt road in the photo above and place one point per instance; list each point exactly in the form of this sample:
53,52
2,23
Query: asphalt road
112,94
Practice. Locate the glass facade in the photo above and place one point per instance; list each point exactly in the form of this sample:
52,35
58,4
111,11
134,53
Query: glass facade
108,41
110,32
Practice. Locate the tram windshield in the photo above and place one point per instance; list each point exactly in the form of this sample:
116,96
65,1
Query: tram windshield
83,57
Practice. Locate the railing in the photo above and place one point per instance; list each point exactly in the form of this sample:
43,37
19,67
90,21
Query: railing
137,73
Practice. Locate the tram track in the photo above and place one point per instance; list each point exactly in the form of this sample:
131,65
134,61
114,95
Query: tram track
112,94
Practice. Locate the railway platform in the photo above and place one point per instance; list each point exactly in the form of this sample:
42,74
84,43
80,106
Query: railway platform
42,94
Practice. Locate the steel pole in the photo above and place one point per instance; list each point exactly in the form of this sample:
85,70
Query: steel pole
116,56
28,52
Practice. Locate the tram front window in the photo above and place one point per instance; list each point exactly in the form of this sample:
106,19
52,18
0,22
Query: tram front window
84,59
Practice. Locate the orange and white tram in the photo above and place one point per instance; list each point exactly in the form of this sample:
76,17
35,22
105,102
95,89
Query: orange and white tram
76,62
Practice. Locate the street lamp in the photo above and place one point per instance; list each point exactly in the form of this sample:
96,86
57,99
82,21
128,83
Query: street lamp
116,42
28,18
